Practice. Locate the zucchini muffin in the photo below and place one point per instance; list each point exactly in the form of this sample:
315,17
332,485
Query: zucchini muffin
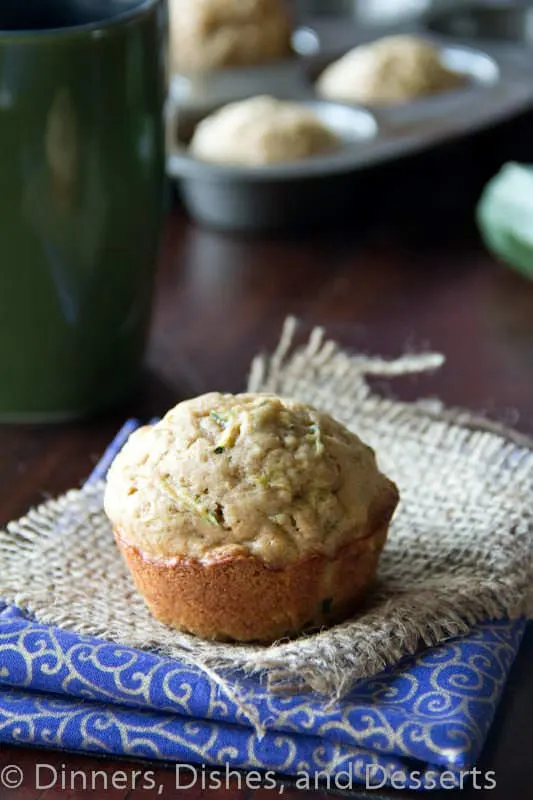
391,70
261,131
210,34
249,517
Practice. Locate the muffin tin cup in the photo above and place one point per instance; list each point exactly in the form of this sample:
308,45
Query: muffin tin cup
282,78
280,195
252,199
479,71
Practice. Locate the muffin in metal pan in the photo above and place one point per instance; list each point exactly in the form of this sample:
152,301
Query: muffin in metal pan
262,164
214,34
223,50
406,78
389,70
262,131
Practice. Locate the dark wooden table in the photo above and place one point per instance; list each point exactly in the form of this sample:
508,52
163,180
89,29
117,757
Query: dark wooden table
221,299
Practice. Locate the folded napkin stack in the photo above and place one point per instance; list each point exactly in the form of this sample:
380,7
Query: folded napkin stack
419,726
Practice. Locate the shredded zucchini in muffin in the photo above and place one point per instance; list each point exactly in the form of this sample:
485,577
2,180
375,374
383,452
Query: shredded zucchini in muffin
226,474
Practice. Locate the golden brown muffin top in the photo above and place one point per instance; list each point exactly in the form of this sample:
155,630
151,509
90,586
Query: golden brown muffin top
222,475
261,131
390,70
209,34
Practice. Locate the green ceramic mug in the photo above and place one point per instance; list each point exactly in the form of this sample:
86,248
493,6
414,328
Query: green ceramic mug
81,198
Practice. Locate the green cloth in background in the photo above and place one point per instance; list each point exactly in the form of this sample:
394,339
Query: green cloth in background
505,216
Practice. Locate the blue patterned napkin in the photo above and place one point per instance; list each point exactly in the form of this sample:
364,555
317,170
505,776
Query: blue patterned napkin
421,725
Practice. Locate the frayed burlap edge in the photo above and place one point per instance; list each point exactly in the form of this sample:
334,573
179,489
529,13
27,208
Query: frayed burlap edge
391,627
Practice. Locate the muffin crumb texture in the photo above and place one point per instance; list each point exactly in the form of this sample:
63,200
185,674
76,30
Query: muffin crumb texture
261,131
223,475
210,34
393,69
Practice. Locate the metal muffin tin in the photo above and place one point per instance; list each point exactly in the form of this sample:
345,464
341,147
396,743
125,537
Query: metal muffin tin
498,86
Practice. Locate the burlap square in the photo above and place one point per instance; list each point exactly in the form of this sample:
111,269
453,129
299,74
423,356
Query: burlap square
458,553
